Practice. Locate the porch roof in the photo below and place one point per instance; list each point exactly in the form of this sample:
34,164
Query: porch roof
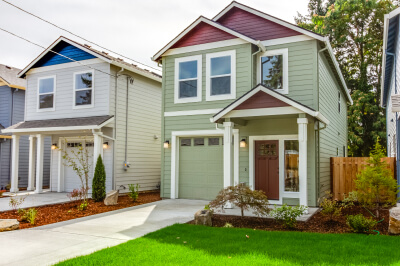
285,106
78,123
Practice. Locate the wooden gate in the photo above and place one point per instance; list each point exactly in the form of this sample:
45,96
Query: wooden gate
344,172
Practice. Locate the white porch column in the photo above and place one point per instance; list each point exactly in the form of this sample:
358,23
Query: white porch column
31,173
60,161
39,163
14,163
302,124
97,148
228,169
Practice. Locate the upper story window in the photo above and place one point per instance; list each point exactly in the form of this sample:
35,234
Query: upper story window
83,89
46,93
188,79
273,70
221,76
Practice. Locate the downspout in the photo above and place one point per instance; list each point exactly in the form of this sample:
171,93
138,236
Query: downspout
261,48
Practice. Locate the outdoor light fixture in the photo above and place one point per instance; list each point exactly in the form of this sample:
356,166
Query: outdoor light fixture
166,144
54,146
243,143
105,145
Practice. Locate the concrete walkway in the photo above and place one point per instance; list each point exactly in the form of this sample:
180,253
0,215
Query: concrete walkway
32,199
49,244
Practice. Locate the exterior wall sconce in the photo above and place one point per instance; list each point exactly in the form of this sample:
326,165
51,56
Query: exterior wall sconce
54,146
243,143
166,144
105,145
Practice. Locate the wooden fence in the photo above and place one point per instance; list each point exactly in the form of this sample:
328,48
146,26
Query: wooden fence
344,171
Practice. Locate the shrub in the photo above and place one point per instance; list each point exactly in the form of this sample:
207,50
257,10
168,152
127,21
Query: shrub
15,202
287,214
244,198
83,206
375,184
99,181
228,225
76,194
350,199
28,215
330,207
134,192
360,224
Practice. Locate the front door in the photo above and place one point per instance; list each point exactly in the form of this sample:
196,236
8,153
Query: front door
267,168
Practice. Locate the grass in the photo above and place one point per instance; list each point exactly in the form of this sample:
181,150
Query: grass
198,245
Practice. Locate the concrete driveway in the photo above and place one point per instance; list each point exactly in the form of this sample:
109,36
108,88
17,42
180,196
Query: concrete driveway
49,244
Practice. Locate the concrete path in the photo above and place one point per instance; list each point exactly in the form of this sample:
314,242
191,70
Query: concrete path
49,244
33,200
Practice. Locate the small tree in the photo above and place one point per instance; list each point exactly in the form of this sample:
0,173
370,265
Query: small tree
99,181
375,184
244,198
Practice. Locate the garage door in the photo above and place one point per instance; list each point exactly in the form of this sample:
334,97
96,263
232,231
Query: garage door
71,179
200,167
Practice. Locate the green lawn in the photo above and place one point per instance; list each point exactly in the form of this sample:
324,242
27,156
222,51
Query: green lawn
197,245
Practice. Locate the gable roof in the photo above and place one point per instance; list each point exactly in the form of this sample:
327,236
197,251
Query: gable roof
8,75
280,97
98,54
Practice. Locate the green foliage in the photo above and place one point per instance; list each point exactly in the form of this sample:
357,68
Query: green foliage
244,198
28,215
228,225
15,202
355,30
350,199
99,181
287,214
133,192
360,224
330,207
83,206
375,184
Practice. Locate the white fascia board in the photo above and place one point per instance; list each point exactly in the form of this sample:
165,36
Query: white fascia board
298,38
393,13
136,71
287,110
192,112
332,55
268,17
22,72
194,24
385,38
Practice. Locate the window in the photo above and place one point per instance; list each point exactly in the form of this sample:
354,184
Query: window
188,79
292,165
339,101
186,142
221,76
213,141
83,89
273,70
199,142
46,93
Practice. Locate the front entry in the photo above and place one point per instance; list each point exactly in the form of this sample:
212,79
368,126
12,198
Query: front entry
267,167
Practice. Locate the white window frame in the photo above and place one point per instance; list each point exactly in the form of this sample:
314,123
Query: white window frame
198,98
39,94
74,106
285,72
232,95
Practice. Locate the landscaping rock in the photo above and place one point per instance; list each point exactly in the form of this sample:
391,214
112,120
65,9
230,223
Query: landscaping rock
203,217
8,224
111,198
394,221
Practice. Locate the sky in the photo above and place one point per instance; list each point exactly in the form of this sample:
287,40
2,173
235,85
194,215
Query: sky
134,28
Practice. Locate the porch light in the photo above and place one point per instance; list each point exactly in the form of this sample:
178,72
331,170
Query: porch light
54,146
243,143
166,144
105,145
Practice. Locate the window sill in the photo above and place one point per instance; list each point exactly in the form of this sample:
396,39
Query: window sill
46,110
83,106
220,97
187,100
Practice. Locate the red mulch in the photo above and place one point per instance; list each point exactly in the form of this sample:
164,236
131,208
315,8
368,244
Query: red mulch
66,211
317,223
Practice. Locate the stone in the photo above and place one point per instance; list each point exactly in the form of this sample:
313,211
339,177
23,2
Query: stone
203,217
111,198
8,224
394,221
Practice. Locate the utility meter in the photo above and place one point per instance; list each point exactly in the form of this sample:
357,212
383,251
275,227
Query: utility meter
126,165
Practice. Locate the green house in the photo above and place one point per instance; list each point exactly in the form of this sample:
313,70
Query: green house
250,98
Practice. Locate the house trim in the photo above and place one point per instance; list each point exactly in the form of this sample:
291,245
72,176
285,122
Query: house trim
175,135
192,112
38,109
198,98
281,139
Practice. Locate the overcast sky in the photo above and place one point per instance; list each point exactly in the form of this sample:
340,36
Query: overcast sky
134,28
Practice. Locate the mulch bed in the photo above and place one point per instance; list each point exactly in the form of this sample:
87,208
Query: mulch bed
318,223
66,211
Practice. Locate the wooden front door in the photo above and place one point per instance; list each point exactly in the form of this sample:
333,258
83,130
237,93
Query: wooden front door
267,168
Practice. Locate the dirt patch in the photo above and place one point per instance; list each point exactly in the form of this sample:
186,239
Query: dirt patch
317,223
67,211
